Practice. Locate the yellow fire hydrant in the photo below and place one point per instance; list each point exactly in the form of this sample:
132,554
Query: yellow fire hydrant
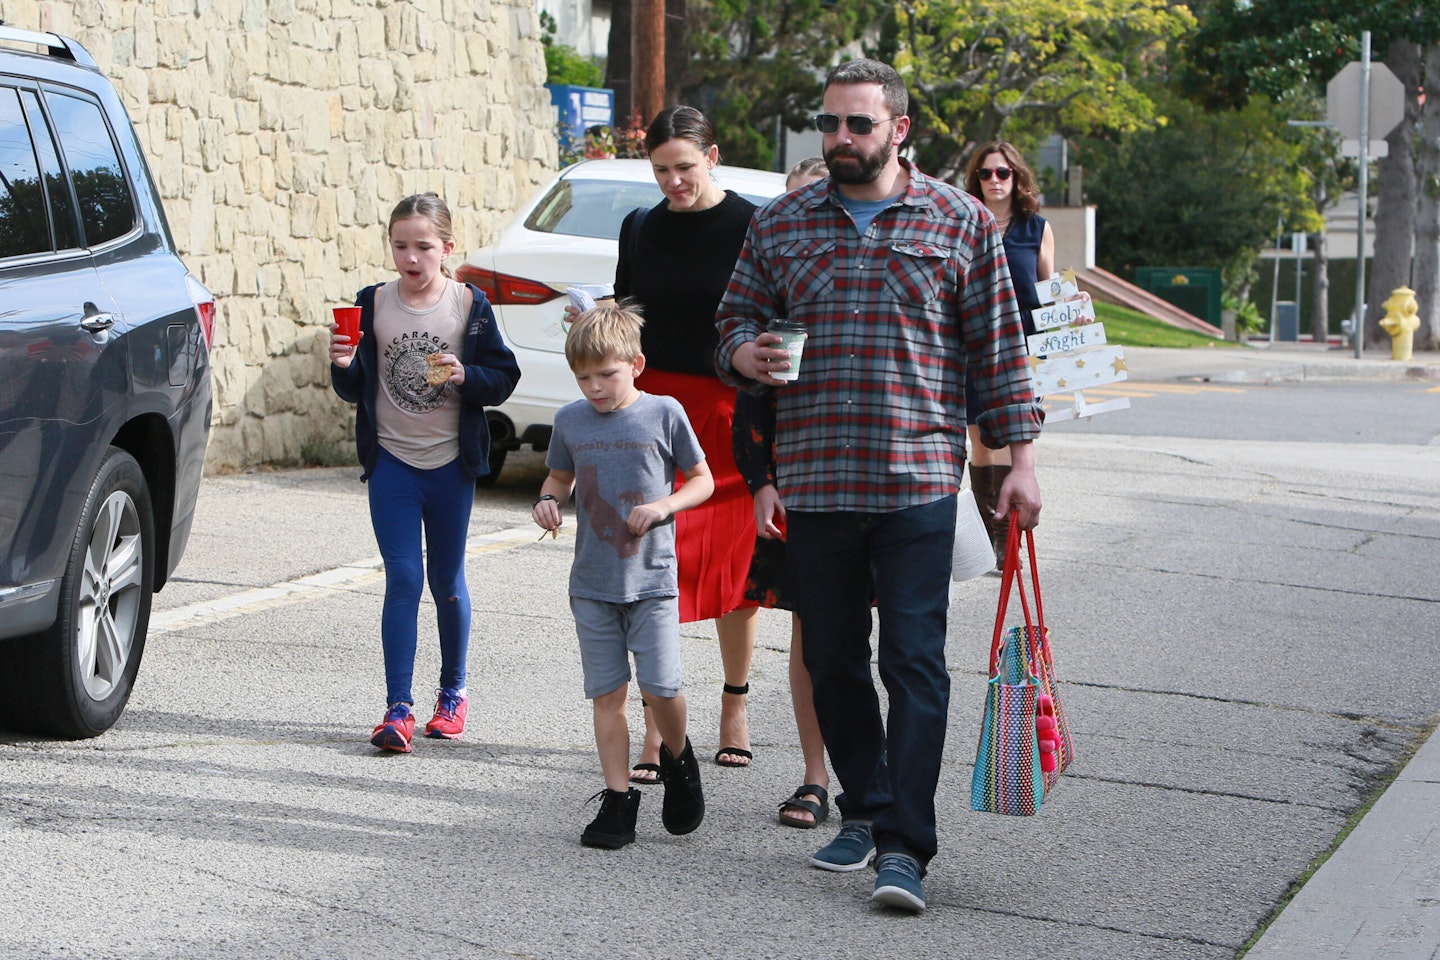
1401,320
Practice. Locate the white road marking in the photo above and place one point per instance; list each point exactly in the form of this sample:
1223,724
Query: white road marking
348,575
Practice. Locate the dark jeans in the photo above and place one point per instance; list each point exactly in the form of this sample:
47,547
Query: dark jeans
404,499
906,554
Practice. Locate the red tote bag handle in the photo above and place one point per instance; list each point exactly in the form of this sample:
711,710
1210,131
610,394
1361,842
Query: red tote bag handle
1035,577
1011,575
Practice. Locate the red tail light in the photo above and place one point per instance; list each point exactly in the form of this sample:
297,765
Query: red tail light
505,290
204,302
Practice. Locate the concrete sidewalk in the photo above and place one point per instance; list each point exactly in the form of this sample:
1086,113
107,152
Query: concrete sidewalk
1277,362
1378,894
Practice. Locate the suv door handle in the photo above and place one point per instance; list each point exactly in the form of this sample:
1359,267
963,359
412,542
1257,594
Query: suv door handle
95,321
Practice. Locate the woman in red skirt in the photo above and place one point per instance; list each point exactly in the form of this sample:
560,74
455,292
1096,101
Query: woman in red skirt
675,261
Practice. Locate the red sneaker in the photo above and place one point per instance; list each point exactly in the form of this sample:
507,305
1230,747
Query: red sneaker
449,720
396,730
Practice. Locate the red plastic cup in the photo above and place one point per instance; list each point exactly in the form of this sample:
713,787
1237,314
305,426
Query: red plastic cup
348,319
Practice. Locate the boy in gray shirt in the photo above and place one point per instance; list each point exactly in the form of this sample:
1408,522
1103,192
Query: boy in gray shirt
618,449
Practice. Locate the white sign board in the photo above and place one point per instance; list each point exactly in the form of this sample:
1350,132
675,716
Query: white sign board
1070,354
1065,374
1378,149
1069,313
1066,338
1057,288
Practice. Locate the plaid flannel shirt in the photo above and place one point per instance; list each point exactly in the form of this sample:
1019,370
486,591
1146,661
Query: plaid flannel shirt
897,318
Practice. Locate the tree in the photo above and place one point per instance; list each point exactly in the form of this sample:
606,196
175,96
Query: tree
1273,47
979,68
1395,206
1198,190
1427,220
756,61
565,64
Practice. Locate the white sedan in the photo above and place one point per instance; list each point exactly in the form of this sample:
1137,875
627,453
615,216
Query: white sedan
567,234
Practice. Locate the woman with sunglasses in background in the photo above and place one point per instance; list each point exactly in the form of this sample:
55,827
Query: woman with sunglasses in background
1000,178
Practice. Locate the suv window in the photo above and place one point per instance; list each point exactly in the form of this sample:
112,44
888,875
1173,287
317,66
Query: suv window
107,210
23,223
62,208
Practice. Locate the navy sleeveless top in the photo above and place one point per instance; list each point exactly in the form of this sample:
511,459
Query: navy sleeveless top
1022,249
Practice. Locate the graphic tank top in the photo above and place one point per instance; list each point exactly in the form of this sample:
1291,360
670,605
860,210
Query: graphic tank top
417,422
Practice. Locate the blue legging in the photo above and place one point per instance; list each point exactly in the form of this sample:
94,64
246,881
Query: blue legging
401,499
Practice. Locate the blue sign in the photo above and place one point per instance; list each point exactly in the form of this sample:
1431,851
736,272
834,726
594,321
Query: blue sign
581,108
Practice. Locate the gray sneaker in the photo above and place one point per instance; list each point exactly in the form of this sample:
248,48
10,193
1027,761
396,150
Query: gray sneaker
897,882
852,849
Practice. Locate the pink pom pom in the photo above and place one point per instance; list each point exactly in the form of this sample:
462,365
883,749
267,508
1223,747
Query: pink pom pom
1044,724
1048,763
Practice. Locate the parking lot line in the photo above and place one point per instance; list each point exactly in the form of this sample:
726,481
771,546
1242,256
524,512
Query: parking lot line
346,576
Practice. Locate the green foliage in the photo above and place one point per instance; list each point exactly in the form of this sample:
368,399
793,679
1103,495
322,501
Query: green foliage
1199,190
977,69
755,59
1247,315
1273,47
565,64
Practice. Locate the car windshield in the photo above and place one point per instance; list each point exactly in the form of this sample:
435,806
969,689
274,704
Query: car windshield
595,208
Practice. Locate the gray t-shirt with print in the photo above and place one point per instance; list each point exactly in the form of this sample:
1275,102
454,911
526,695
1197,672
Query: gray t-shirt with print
620,460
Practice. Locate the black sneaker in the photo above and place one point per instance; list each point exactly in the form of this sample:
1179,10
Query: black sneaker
614,826
684,805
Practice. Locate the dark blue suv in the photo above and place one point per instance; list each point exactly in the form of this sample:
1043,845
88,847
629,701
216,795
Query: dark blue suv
104,392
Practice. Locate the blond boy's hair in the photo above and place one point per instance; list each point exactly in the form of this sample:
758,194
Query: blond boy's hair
609,331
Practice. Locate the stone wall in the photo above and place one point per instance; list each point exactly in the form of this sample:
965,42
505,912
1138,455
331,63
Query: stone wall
282,132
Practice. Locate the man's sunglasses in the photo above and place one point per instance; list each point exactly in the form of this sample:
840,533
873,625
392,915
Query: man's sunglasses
858,123
1001,173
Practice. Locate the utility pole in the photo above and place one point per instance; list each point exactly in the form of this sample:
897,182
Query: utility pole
647,57
1359,335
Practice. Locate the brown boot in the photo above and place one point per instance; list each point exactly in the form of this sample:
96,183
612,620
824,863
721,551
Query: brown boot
986,482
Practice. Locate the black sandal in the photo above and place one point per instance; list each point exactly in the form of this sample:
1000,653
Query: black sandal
820,811
734,691
648,767
652,767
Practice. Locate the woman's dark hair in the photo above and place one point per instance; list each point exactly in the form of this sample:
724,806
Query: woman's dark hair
1025,198
684,123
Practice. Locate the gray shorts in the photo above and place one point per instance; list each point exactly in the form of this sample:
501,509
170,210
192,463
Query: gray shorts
610,632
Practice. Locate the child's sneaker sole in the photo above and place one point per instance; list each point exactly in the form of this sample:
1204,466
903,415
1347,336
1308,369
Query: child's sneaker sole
389,737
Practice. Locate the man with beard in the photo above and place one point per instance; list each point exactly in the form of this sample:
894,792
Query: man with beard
901,282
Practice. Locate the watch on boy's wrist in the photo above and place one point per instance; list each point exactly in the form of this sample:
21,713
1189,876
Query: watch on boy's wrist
544,497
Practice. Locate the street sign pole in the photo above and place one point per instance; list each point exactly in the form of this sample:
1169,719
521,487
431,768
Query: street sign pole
1357,336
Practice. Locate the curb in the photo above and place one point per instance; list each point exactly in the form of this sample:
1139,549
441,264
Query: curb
1326,371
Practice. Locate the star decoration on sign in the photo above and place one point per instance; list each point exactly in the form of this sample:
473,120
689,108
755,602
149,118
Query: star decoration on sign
1080,364
1035,362
1069,275
1119,364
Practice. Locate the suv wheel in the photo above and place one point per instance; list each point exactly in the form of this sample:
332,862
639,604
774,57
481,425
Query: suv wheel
73,680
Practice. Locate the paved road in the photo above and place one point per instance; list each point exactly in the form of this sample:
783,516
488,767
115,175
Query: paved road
1236,623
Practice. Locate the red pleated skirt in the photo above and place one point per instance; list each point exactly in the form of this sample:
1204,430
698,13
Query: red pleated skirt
714,541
